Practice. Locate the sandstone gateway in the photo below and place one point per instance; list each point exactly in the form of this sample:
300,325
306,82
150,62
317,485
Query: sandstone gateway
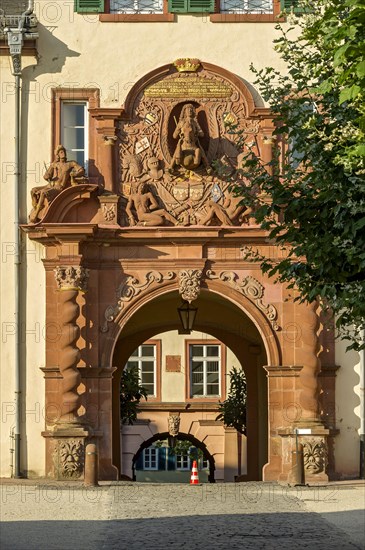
133,216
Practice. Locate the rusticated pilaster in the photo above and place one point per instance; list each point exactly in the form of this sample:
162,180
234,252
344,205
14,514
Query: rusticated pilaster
70,280
308,357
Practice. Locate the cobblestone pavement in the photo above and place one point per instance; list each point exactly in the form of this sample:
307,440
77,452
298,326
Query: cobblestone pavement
219,516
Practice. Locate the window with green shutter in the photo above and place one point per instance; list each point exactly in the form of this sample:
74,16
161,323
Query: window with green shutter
89,6
191,6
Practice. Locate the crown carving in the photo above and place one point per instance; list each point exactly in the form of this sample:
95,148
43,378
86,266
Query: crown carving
187,65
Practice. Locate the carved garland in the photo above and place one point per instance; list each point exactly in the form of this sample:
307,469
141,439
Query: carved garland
129,289
251,288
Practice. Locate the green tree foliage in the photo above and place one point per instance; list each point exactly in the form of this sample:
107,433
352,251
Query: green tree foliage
311,199
233,410
131,393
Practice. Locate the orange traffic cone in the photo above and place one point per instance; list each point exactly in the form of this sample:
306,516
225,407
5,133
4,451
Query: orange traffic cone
194,479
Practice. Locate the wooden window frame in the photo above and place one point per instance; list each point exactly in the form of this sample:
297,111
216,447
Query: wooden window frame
154,398
108,17
223,368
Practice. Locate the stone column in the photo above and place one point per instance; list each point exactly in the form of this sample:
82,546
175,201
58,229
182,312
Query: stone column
70,281
65,447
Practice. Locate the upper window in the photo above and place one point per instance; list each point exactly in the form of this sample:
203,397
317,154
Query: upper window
74,131
164,10
246,6
205,370
144,358
136,6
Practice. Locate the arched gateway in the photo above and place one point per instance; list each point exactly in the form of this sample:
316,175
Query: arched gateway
155,222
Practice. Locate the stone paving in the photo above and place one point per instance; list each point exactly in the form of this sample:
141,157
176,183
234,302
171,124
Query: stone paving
158,516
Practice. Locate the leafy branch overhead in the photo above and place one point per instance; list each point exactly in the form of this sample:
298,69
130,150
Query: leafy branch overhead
312,200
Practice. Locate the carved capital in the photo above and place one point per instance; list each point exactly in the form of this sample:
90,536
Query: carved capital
189,284
71,277
173,422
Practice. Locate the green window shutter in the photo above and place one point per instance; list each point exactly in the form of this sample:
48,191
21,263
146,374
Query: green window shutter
191,6
178,6
288,5
89,6
201,6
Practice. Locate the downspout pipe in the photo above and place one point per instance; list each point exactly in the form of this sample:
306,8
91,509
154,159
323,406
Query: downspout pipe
15,42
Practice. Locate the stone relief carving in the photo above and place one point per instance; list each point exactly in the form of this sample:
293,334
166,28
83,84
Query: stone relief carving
129,289
72,277
252,289
173,422
109,212
69,457
315,455
189,284
180,130
60,175
189,287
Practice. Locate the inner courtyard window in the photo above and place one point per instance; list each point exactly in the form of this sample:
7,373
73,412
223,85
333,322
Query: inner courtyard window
205,370
144,358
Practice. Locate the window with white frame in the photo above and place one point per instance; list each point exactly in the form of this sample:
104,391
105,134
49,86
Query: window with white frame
246,6
182,462
144,358
150,458
74,131
205,370
136,6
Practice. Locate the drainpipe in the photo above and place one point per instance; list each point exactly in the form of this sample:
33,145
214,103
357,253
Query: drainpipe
362,410
15,42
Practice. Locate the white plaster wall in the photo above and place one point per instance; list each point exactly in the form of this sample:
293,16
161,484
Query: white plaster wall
347,442
173,383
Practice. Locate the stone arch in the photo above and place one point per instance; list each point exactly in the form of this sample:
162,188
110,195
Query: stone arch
182,436
247,307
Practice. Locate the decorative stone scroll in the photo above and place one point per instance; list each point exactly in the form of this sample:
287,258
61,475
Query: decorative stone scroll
315,455
173,422
189,284
252,289
129,289
69,458
72,278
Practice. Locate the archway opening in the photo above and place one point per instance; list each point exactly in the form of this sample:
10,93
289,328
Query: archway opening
172,463
226,324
